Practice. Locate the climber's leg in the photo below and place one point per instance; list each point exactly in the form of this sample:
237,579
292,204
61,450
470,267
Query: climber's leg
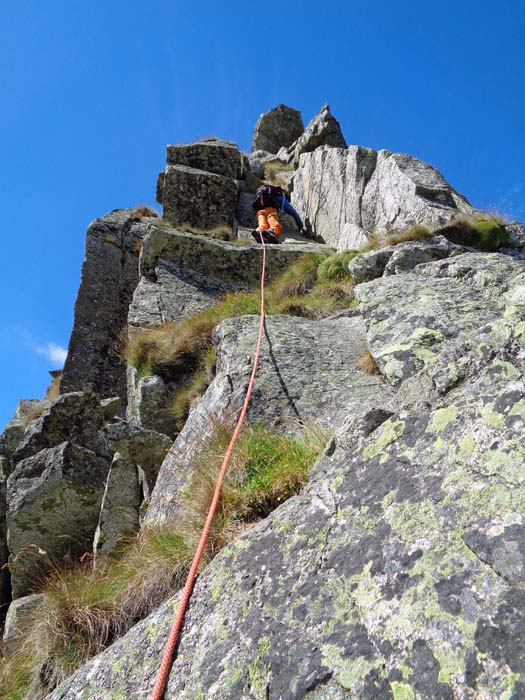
275,225
262,221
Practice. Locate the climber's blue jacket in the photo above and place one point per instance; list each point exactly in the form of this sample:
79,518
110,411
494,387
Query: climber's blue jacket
287,208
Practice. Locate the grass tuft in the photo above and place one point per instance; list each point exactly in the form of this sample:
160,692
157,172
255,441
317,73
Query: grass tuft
487,234
141,212
185,396
366,363
335,267
272,172
84,609
53,390
173,349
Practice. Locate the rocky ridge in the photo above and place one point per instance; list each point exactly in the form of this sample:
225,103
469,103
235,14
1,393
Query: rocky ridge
399,571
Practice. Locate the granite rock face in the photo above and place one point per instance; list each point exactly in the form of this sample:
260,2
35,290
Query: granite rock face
137,456
213,155
26,411
196,198
18,620
148,405
76,417
345,195
409,323
400,258
308,372
279,127
399,571
53,501
184,273
109,277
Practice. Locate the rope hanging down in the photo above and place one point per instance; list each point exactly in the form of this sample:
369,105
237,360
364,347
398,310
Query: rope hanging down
174,635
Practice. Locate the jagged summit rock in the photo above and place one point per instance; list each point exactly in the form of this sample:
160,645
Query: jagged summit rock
279,127
213,155
322,130
346,195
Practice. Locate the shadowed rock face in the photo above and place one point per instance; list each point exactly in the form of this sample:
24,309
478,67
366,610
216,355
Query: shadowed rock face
346,195
196,198
214,156
109,277
399,571
183,273
54,501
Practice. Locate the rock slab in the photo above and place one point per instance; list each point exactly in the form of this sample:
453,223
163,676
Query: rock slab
308,372
109,277
346,195
279,127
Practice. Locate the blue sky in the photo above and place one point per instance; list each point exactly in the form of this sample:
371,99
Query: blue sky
93,92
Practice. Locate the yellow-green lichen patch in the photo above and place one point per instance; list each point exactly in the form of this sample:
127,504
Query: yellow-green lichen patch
348,672
428,336
451,661
259,673
388,433
402,691
518,409
339,592
413,521
442,418
492,418
467,447
509,466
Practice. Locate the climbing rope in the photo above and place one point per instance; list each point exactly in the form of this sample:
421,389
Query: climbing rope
174,635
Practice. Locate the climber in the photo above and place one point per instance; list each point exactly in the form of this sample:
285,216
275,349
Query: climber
270,202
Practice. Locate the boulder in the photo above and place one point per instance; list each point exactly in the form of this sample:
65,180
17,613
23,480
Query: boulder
109,277
322,130
75,417
148,403
346,195
145,448
53,501
257,159
212,155
399,572
308,372
18,620
120,507
443,302
279,127
26,411
138,454
400,258
197,199
110,407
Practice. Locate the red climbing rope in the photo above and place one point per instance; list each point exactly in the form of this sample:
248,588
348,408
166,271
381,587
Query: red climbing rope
171,644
